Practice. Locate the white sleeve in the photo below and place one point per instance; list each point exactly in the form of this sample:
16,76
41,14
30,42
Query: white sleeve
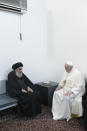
63,79
79,85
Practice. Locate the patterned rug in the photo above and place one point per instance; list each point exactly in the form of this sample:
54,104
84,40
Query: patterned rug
42,122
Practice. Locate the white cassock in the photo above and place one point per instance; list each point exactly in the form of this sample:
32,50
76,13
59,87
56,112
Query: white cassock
63,106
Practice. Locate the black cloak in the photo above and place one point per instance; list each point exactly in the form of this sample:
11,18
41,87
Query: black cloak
28,103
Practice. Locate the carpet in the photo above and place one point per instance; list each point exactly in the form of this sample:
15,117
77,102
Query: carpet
9,121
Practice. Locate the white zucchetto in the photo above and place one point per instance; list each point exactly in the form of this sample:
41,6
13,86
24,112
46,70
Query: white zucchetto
69,63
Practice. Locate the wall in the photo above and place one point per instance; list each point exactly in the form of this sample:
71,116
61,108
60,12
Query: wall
66,35
32,50
53,31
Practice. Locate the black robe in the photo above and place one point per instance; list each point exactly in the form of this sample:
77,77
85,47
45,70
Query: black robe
28,103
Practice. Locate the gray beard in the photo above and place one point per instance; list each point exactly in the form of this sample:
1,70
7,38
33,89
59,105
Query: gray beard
19,74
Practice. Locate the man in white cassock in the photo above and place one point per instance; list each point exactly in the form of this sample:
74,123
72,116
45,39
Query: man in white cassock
67,98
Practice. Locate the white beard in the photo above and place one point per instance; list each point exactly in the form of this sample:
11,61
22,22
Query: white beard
19,74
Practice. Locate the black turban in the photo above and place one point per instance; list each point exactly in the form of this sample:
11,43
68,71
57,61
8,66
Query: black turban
17,65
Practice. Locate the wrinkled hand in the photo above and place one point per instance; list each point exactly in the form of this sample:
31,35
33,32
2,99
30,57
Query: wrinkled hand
29,89
23,90
58,88
68,93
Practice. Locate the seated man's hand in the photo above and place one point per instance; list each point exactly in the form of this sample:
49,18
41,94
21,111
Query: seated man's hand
58,88
29,89
23,90
68,93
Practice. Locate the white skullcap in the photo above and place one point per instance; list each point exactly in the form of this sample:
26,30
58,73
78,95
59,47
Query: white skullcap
69,63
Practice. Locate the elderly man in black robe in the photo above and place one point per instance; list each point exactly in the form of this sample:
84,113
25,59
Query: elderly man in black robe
20,87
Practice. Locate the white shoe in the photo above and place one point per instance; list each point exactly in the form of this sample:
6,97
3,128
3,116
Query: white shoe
54,118
69,118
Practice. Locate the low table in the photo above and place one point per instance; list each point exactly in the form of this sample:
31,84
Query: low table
46,91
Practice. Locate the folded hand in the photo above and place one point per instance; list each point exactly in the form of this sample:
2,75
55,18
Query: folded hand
68,93
29,89
58,88
23,90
